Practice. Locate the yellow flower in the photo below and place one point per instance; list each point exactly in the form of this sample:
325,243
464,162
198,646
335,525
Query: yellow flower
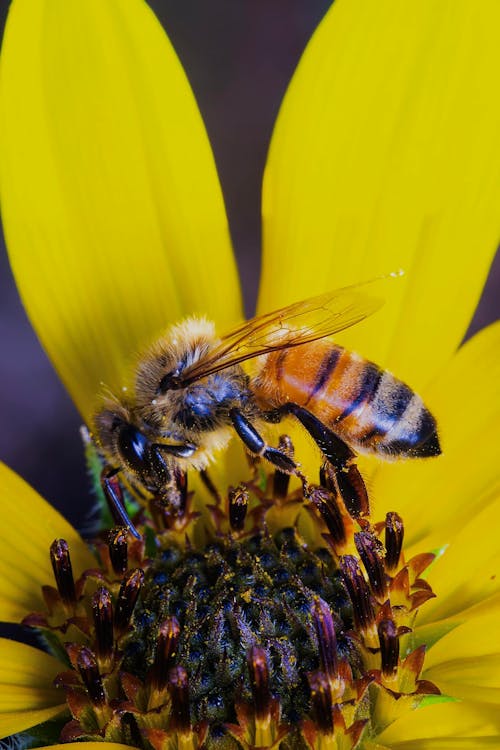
385,155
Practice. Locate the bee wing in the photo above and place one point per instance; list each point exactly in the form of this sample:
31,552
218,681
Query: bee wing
294,325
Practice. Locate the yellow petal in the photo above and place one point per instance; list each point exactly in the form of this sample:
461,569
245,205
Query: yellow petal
111,204
466,662
386,156
86,746
438,497
468,570
445,726
27,696
24,553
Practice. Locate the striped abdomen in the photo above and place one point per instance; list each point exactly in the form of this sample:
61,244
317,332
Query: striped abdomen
366,406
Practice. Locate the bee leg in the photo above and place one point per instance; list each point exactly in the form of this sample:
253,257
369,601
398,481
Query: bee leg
347,477
114,497
258,446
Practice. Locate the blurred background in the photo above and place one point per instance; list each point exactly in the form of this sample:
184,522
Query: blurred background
239,56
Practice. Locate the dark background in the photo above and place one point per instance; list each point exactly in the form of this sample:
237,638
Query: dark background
239,56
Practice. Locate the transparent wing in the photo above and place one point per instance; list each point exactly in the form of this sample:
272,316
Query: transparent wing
294,325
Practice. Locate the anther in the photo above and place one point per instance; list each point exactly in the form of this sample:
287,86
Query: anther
179,695
394,533
89,672
389,646
102,611
326,477
238,505
371,552
353,491
166,651
281,480
63,572
359,592
325,633
118,549
321,699
127,598
325,502
181,483
259,681
130,730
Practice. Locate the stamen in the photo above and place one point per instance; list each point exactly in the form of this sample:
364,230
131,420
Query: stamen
281,480
102,611
89,672
325,502
327,641
353,491
63,572
359,592
389,646
118,549
371,552
166,650
181,483
179,694
327,477
394,533
321,699
259,681
127,598
130,729
238,506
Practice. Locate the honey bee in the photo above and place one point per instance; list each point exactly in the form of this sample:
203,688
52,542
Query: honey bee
192,395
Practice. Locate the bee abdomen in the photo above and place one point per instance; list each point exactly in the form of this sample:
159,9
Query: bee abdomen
365,405
396,422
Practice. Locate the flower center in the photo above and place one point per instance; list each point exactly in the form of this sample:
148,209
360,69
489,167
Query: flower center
260,591
283,626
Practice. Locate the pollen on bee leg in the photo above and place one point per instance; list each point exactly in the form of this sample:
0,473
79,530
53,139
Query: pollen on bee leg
371,552
359,594
102,611
63,571
281,480
166,650
118,549
89,672
127,598
394,534
238,506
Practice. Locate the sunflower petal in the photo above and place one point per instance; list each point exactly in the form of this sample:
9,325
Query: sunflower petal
111,204
445,726
24,558
386,156
27,696
462,482
86,746
466,662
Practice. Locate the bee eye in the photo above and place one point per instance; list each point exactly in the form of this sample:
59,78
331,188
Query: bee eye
169,382
133,446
